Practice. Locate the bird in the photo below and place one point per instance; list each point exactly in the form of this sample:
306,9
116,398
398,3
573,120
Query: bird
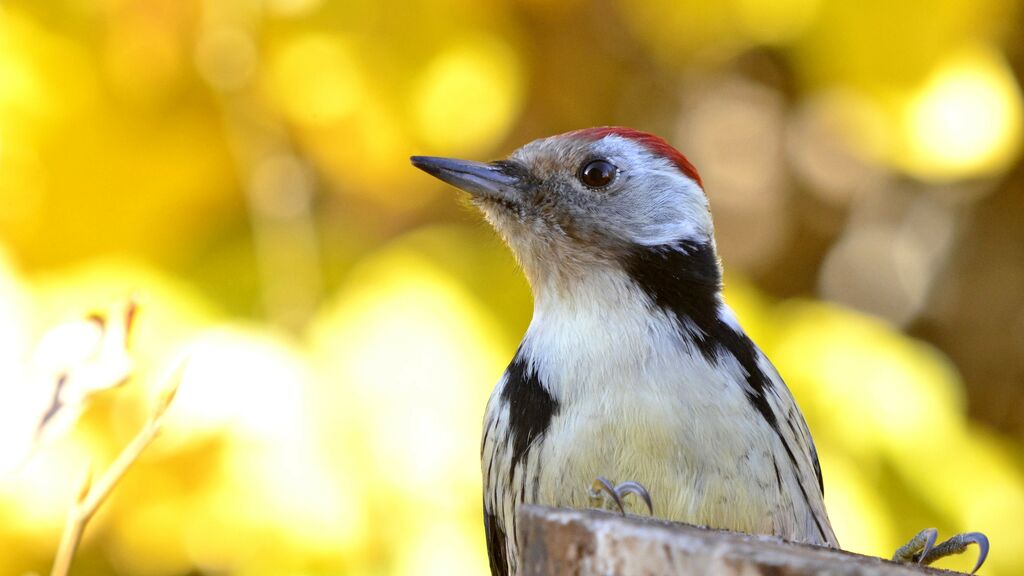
634,376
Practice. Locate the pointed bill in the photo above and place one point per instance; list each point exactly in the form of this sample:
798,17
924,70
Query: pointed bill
496,181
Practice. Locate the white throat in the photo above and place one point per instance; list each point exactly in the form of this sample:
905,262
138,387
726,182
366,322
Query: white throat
600,332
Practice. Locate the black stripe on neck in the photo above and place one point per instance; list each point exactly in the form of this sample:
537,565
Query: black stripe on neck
685,279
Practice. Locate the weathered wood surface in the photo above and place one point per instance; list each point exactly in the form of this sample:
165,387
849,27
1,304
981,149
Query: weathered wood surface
584,542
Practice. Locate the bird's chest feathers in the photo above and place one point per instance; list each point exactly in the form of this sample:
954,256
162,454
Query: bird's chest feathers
636,400
607,347
629,386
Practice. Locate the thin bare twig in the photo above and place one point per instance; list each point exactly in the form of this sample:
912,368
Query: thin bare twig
91,496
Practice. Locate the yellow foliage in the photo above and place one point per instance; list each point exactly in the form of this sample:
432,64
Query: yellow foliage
136,139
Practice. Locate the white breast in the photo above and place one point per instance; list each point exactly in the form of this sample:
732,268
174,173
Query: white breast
638,402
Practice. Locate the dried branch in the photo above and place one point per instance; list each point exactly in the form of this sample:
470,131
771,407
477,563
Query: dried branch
91,496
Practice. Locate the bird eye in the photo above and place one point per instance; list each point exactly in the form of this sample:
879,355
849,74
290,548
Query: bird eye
598,173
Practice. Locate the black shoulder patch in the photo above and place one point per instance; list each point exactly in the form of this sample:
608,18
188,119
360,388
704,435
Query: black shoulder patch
530,407
496,545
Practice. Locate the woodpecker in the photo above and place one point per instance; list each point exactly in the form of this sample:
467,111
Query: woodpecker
633,369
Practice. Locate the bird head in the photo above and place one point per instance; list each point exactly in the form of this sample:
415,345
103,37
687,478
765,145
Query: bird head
585,200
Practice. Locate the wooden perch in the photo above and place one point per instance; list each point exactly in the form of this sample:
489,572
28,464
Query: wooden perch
583,542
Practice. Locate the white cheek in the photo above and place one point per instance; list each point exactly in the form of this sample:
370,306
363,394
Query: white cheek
660,205
679,211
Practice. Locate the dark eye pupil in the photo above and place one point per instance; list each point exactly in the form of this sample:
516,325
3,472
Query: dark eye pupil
598,174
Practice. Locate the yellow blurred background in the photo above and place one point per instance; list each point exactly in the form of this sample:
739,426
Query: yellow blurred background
240,167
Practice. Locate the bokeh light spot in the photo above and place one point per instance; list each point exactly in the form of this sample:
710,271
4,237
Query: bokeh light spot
468,96
316,79
243,379
413,350
967,120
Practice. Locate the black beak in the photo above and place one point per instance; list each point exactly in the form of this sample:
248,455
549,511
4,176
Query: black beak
489,181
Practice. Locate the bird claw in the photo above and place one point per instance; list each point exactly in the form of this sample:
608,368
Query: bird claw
923,550
956,545
617,493
918,546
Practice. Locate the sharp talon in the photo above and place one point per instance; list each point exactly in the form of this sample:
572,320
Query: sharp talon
923,549
960,542
618,493
957,544
982,541
918,547
601,484
638,489
930,535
